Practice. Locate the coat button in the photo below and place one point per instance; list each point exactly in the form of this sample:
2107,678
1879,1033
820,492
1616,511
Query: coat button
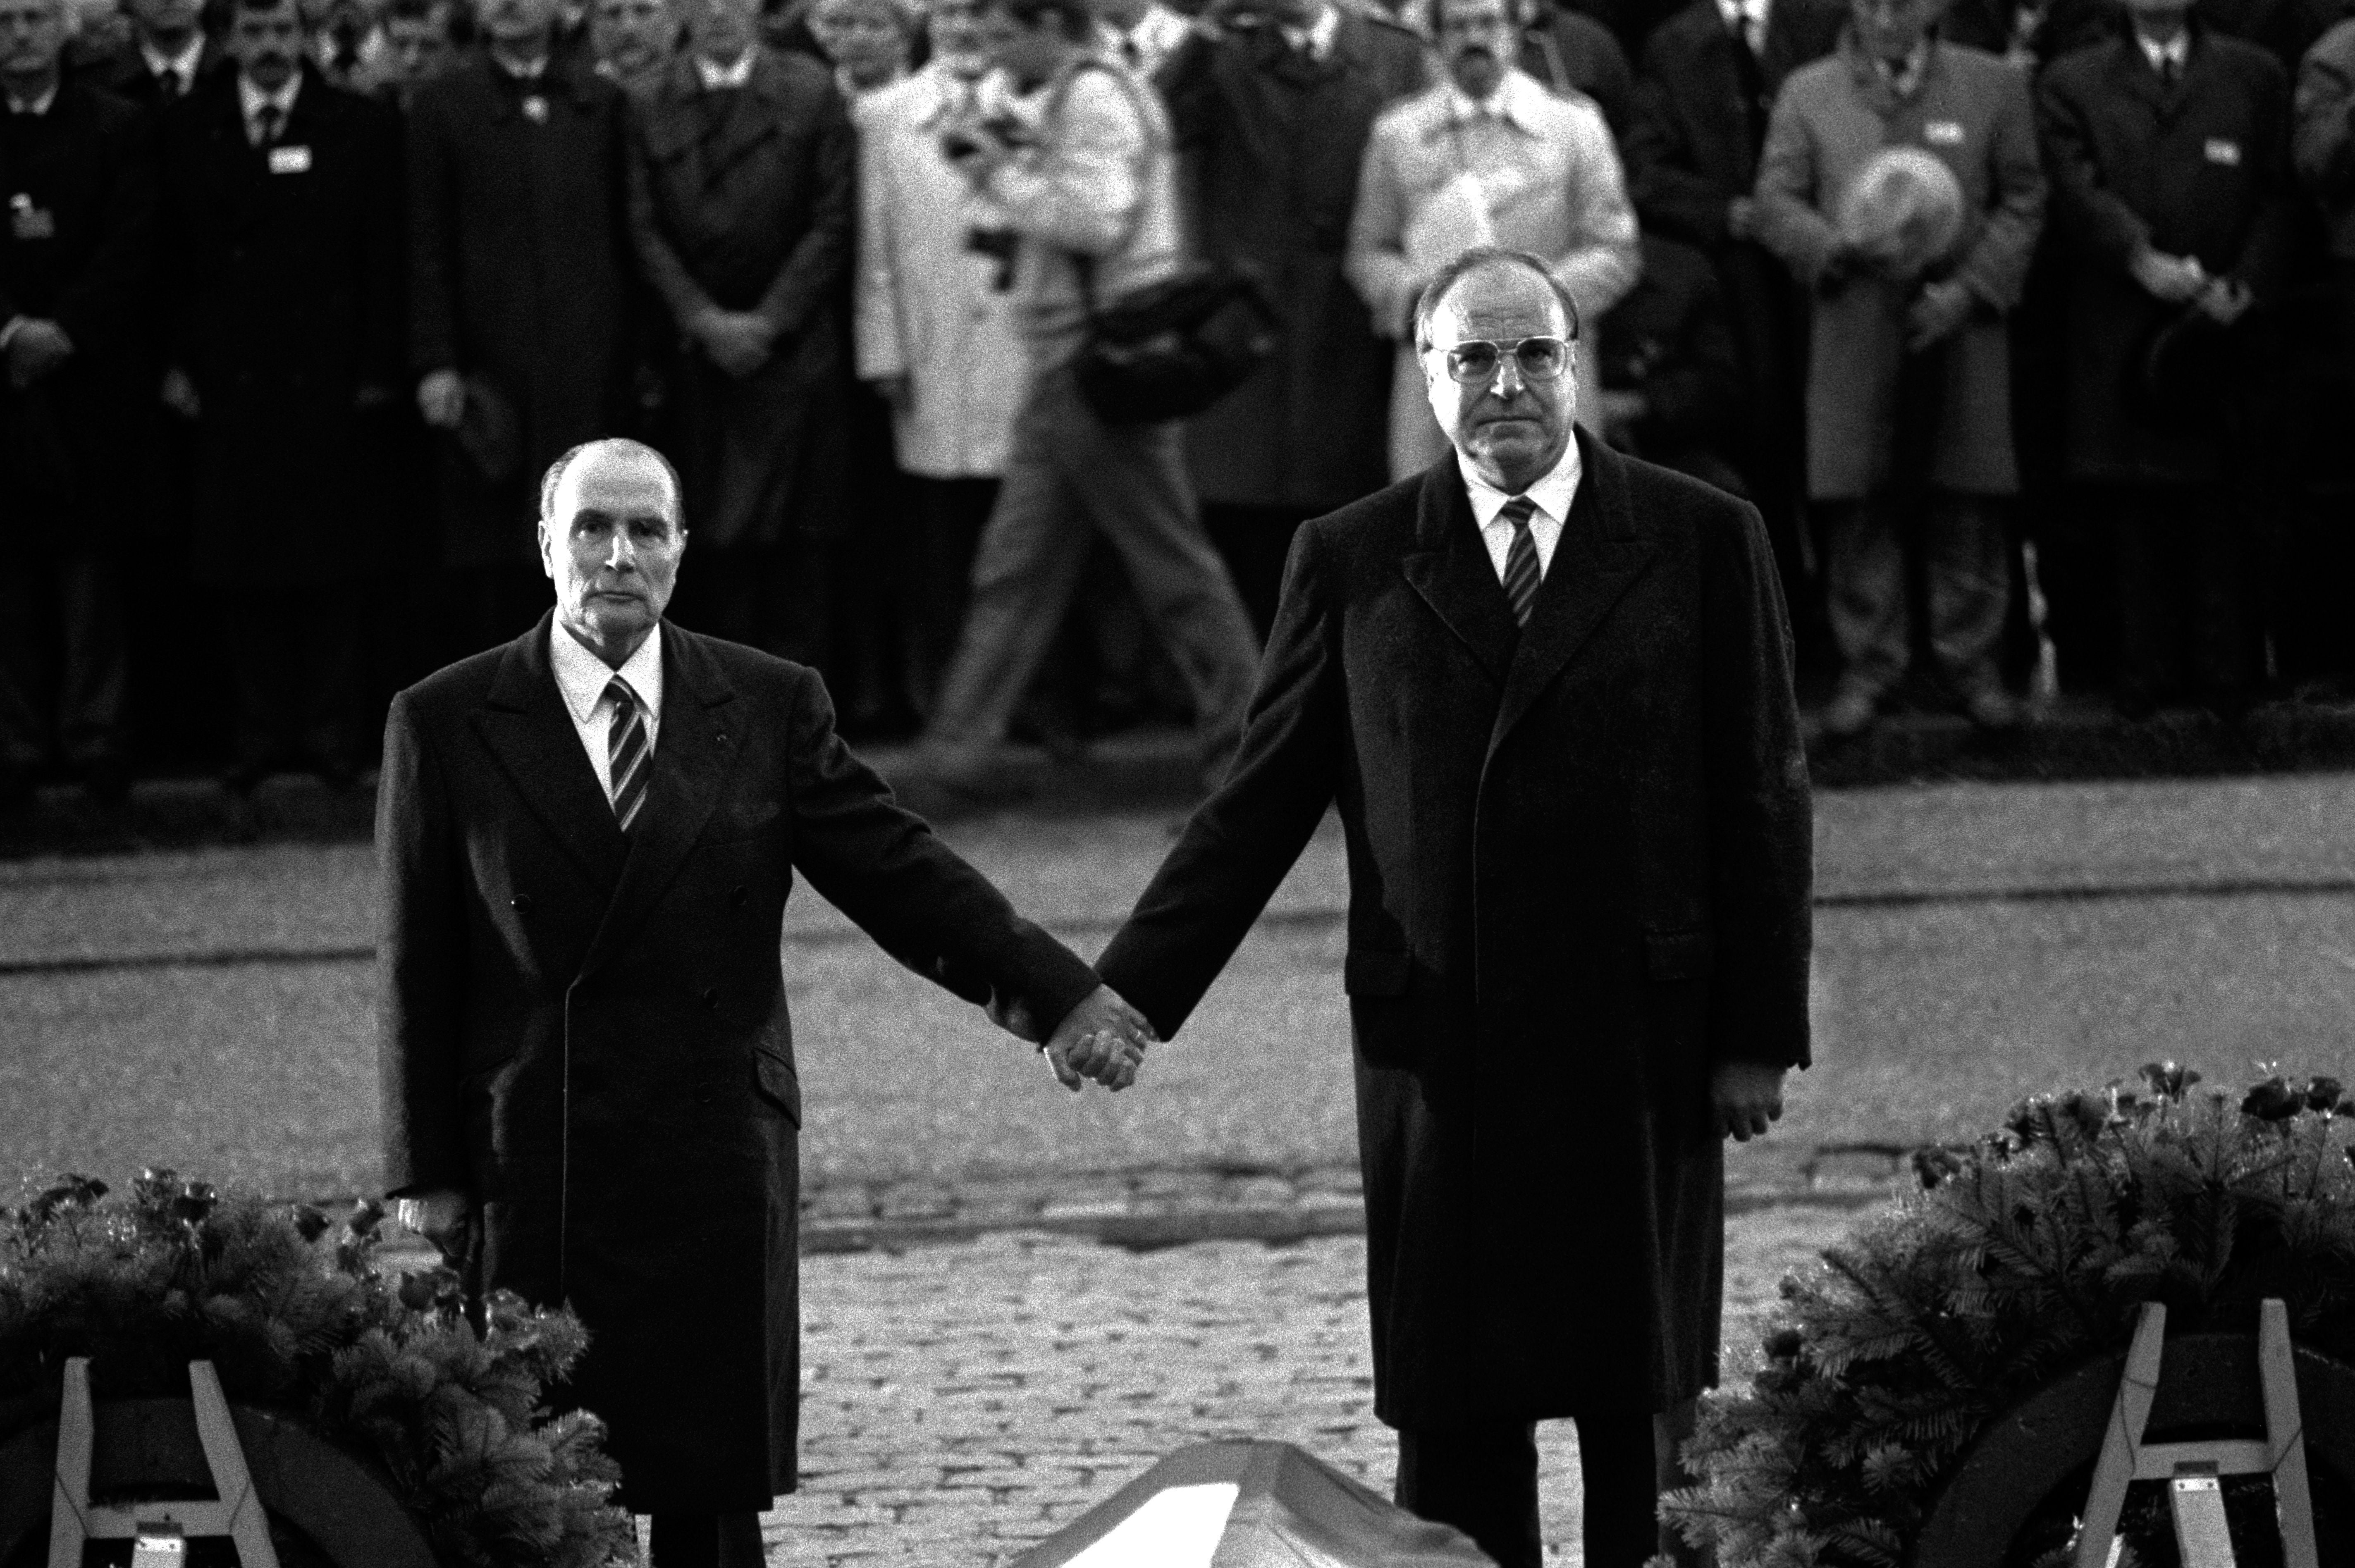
711,997
703,1093
520,903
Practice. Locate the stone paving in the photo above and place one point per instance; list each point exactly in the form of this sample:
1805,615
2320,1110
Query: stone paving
963,1401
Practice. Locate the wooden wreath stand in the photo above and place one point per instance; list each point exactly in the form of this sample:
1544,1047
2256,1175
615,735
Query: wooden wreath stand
2100,1415
258,1466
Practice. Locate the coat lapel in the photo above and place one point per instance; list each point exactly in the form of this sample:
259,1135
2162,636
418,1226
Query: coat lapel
1600,556
692,751
525,724
1451,570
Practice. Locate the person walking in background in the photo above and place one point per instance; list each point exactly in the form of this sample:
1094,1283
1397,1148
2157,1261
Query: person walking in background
741,205
1487,157
631,41
1711,76
1913,260
1080,167
1272,103
282,217
936,333
519,305
77,170
2168,150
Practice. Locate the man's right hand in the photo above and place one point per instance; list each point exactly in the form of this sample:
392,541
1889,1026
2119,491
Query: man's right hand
1742,218
442,399
36,347
442,1217
2174,279
737,341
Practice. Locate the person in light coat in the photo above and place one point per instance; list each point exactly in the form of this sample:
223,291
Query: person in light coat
934,327
1487,157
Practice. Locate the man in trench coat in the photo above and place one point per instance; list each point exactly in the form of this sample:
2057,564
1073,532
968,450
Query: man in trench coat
586,840
1578,931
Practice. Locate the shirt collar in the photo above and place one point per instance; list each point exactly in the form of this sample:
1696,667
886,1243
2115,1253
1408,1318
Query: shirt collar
1510,103
1318,36
582,677
182,65
40,106
736,74
1553,494
2177,49
253,99
1738,13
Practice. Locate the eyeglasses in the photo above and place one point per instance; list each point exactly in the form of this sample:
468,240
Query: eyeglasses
1473,361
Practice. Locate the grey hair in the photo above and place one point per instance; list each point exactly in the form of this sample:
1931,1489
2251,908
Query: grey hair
620,444
1473,260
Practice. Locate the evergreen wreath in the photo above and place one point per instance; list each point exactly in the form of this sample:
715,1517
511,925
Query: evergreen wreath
2020,1257
297,1317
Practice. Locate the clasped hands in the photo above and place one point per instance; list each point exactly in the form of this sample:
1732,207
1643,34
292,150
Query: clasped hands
2181,280
1103,1039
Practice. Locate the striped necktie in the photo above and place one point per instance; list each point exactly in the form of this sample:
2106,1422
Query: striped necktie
628,758
1521,573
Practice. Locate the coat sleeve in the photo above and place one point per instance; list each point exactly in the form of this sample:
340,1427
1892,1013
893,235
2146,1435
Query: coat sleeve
432,238
1671,195
1760,819
2091,215
883,866
1376,263
106,300
421,964
879,330
1788,223
2325,134
1603,259
1239,843
1996,269
806,282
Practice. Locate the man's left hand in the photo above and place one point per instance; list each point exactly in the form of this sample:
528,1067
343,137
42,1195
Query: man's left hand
1745,1097
39,347
1938,313
1103,1038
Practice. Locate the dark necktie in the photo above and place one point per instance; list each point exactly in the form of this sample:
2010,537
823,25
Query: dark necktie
628,758
1521,574
268,122
2170,73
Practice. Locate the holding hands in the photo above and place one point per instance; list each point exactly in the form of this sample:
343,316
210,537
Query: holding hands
1103,1038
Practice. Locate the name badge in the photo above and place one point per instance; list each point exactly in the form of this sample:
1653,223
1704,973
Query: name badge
2221,151
27,221
290,160
534,108
1942,132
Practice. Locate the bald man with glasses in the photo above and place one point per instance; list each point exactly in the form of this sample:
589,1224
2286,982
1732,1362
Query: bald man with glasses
1549,689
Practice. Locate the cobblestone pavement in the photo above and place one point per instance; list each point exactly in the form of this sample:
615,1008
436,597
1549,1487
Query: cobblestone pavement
963,1401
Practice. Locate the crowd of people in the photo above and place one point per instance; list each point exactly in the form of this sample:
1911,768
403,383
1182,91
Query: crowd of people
2028,326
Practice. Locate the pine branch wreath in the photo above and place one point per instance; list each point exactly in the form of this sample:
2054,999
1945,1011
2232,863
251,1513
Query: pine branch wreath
2020,1256
295,1314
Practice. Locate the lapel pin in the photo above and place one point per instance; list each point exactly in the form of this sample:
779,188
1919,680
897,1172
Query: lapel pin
534,108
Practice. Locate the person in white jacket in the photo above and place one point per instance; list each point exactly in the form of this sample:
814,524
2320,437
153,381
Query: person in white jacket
1487,157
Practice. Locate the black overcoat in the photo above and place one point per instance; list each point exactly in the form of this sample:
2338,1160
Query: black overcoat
589,1033
285,303
1579,872
2201,169
78,248
1270,144
519,272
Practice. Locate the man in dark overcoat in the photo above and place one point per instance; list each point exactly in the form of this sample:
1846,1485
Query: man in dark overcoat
1549,689
519,324
586,840
78,177
283,217
2168,149
1271,114
166,58
741,205
1706,92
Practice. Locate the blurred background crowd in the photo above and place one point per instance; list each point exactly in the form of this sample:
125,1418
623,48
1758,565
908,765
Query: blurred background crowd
2029,327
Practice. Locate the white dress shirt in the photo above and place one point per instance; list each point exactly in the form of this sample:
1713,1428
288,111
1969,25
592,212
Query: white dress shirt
38,106
1315,40
716,76
1749,18
252,101
2175,51
1552,494
181,67
582,677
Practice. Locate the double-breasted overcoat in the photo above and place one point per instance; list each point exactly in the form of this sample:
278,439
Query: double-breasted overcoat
1579,868
743,199
286,305
1270,141
2203,169
587,1032
1970,110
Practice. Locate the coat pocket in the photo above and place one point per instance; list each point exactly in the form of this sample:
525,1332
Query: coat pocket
778,1084
1680,955
1372,972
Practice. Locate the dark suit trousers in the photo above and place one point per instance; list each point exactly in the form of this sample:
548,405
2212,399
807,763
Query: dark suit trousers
706,1541
1483,1480
64,680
